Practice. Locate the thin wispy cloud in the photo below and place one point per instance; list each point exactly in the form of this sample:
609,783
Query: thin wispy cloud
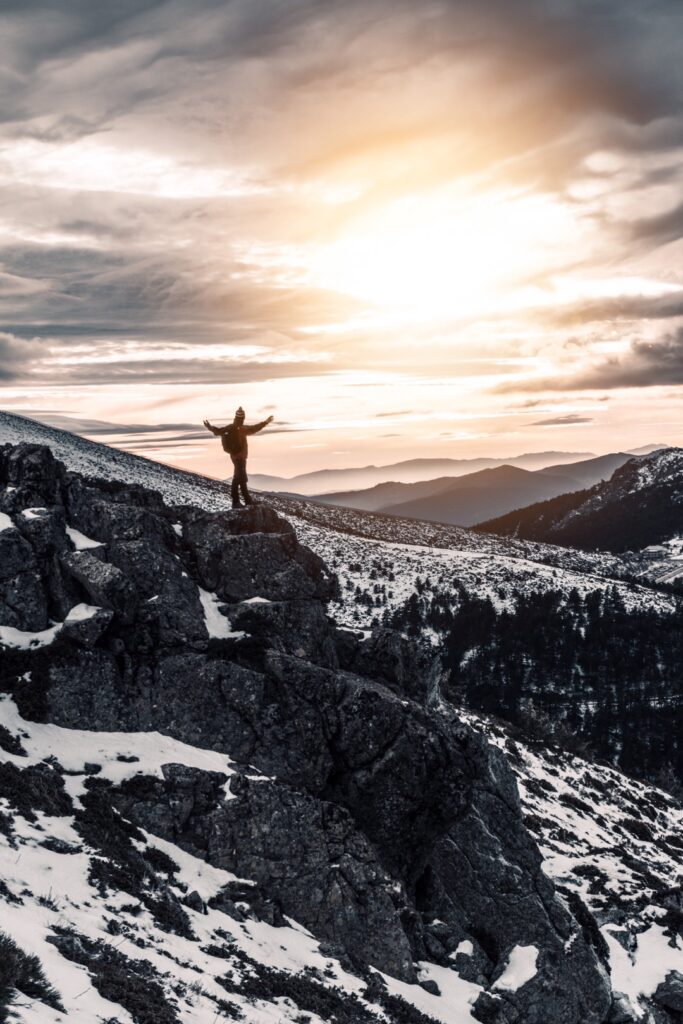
570,420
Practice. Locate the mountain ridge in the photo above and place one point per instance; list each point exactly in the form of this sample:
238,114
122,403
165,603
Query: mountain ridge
639,506
468,499
413,469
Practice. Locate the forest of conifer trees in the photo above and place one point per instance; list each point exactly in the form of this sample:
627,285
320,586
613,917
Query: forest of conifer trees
595,675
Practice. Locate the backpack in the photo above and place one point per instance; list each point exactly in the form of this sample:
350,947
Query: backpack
231,440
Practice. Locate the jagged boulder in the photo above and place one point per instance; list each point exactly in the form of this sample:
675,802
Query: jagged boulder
301,629
404,665
304,853
86,629
268,562
31,475
669,993
22,598
103,583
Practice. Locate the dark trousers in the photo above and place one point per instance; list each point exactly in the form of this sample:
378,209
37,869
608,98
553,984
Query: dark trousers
239,481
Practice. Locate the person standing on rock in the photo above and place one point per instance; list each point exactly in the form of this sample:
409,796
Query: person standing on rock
234,440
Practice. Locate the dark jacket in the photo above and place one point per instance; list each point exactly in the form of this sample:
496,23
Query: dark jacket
243,433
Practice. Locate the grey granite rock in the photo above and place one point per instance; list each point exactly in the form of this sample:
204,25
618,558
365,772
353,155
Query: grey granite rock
669,993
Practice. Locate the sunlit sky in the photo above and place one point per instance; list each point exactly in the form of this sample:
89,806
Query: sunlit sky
451,228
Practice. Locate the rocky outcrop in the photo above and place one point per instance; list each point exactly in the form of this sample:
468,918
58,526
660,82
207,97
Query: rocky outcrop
669,993
361,805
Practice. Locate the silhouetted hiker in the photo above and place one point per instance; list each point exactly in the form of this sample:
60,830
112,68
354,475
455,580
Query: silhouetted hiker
234,440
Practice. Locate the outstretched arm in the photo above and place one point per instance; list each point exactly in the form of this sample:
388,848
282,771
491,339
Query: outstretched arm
258,426
214,430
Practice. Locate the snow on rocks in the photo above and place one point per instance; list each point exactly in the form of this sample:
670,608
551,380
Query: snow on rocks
615,844
520,968
51,904
80,541
119,755
25,640
33,513
455,999
638,971
217,624
82,612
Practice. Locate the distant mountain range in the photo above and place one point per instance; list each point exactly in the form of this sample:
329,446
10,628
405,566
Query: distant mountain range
640,505
327,482
409,472
468,499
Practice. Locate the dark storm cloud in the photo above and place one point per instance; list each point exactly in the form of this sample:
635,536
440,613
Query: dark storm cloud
584,57
620,308
666,227
644,365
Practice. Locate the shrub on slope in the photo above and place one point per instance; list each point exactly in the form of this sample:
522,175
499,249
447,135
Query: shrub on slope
22,973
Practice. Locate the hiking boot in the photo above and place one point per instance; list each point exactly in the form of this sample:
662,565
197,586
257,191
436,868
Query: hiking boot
238,504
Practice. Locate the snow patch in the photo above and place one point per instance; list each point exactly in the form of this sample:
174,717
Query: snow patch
520,968
33,513
80,541
639,972
453,1006
21,640
146,751
5,522
217,624
82,612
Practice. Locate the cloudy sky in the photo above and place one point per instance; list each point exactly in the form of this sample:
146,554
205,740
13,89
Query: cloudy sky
451,228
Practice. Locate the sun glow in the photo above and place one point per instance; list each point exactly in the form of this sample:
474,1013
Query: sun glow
430,256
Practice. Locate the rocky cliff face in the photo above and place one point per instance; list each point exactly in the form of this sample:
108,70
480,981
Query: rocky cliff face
360,804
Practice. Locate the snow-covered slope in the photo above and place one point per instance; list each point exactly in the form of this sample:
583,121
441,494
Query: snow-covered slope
609,840
381,574
98,460
110,958
618,846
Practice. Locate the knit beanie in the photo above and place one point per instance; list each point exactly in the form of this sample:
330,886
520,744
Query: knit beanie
239,415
